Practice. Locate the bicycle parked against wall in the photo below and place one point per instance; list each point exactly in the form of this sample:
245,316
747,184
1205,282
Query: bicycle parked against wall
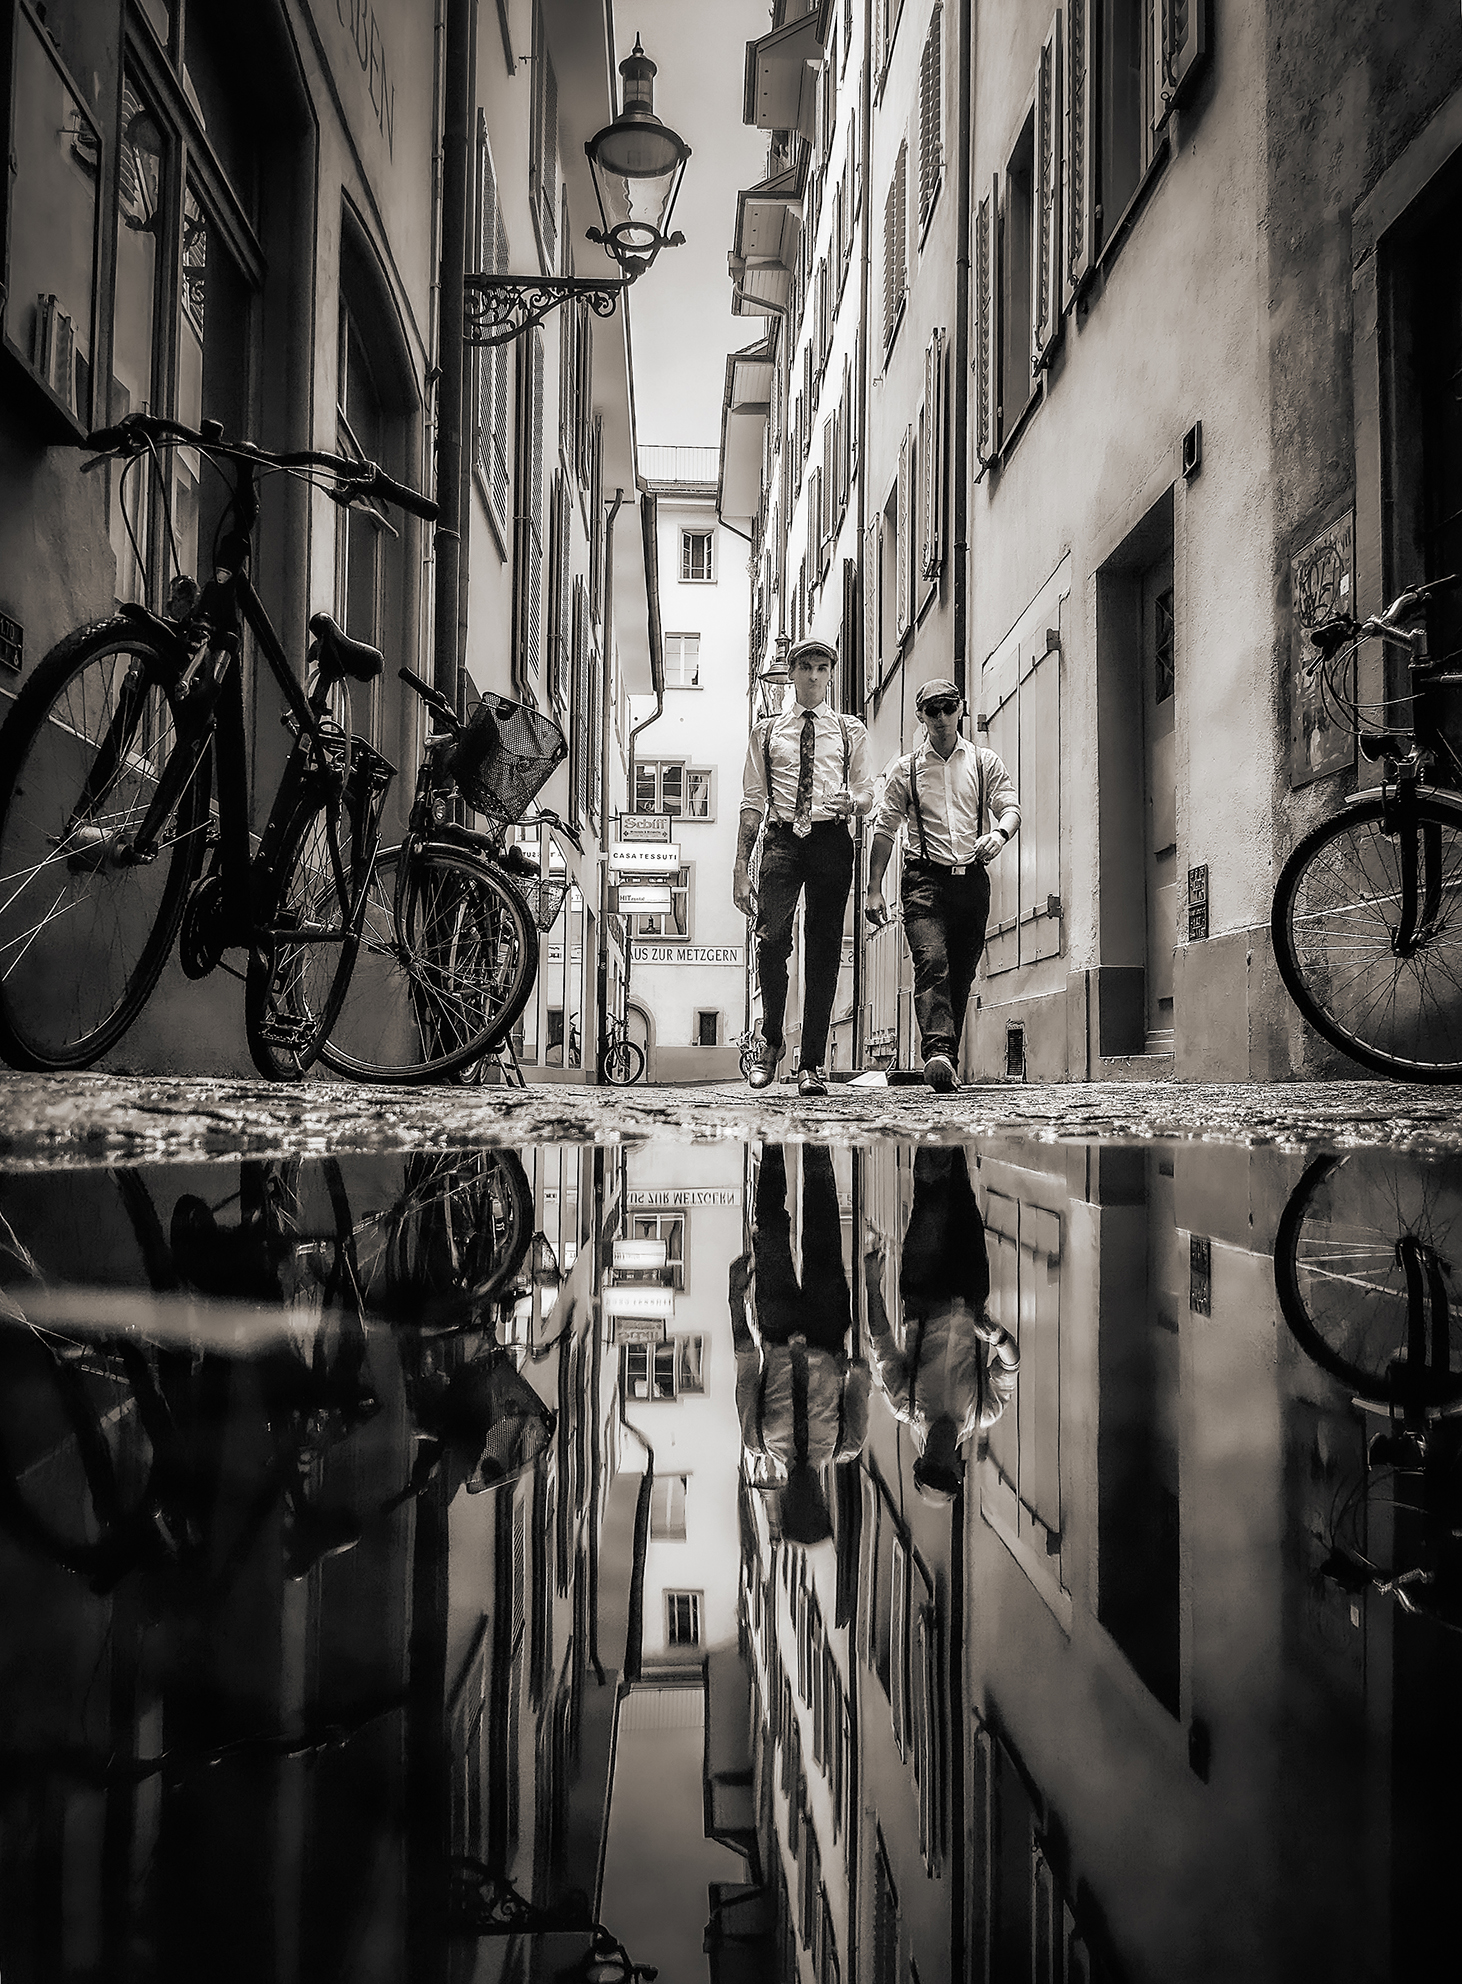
107,767
624,1059
1367,915
449,934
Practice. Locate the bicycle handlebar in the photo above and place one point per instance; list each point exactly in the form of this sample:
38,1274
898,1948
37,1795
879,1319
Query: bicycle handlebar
130,437
433,698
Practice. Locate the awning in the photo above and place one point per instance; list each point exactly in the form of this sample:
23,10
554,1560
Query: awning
745,409
765,243
780,88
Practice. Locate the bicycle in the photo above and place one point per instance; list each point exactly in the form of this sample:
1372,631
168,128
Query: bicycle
624,1059
449,932
107,763
1367,913
1364,1259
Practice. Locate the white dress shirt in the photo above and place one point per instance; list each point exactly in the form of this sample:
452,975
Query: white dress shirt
960,797
784,746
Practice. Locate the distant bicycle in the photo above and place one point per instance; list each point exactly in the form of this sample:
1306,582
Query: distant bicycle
449,931
1367,914
107,763
624,1059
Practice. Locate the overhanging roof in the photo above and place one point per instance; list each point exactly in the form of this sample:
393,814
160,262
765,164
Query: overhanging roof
764,245
745,407
781,91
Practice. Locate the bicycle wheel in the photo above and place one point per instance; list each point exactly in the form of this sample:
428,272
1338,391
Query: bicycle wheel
441,985
624,1062
307,938
83,938
1336,911
1365,1265
454,1239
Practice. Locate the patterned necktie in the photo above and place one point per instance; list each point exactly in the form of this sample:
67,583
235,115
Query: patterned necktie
802,814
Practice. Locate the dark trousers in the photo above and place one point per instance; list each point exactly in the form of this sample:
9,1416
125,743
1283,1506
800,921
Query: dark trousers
944,920
943,1257
819,1305
822,864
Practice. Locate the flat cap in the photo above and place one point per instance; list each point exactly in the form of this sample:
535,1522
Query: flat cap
810,651
940,686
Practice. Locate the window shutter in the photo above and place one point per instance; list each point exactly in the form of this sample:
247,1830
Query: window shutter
1182,48
931,107
548,153
1045,247
848,698
932,468
846,469
890,261
596,516
871,628
830,479
1079,224
898,1653
905,532
501,355
901,181
987,327
812,526
1039,840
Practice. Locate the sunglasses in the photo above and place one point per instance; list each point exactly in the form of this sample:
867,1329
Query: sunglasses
942,706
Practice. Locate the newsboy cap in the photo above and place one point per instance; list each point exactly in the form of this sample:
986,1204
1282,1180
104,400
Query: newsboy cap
938,687
811,651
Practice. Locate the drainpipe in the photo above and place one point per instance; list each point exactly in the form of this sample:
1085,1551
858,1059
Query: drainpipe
649,533
457,124
605,727
865,278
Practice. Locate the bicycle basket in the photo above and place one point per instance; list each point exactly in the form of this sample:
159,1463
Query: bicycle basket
544,899
505,755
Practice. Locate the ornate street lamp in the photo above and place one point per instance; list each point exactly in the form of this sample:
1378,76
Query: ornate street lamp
637,164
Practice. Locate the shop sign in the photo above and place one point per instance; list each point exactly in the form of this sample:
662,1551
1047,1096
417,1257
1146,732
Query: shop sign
639,1302
626,1330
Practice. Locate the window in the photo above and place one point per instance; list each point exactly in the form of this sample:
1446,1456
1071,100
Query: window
666,785
674,923
931,119
698,556
667,1507
1125,134
360,539
528,514
1017,368
885,1953
682,1618
682,661
895,266
666,1225
493,439
707,1029
658,1373
931,447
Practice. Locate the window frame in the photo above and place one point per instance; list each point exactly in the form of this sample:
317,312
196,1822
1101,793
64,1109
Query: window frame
696,1601
688,578
684,883
683,635
715,1014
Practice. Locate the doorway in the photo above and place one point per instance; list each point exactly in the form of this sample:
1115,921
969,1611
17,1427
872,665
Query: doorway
1159,802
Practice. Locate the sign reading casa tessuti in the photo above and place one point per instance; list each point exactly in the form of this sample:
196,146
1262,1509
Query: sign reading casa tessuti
639,1302
686,954
650,858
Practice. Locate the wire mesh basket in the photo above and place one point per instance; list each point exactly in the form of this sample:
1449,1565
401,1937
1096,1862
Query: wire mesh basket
504,757
544,898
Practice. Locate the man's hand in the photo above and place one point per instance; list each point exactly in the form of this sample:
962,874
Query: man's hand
742,893
875,908
841,804
987,847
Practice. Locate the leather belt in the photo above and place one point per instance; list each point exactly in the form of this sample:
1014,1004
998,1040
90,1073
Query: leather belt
944,867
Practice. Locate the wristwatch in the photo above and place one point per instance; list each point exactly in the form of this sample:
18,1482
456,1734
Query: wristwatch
1005,838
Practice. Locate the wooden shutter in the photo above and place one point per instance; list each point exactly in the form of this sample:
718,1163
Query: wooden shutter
1003,736
853,633
890,262
901,184
906,532
931,474
829,481
596,517
931,117
987,327
814,531
1182,49
1039,839
558,591
502,357
898,1651
548,151
1077,207
872,630
1046,232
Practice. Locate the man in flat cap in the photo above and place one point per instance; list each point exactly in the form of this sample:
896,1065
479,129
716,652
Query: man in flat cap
808,771
956,804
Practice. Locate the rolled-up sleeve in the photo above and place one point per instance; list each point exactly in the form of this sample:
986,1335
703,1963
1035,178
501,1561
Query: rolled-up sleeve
860,773
754,777
893,808
1000,796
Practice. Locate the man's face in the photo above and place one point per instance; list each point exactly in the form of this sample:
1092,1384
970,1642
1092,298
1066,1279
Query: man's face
810,678
940,717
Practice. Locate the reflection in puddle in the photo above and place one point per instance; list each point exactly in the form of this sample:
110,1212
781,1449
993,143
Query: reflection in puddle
874,1564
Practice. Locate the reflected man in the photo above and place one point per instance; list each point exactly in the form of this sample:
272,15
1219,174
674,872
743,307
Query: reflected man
802,1401
955,1373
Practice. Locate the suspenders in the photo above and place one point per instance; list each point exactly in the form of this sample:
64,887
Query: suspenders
912,762
765,726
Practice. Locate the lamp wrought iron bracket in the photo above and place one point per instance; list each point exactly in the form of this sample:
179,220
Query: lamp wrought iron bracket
487,1904
498,309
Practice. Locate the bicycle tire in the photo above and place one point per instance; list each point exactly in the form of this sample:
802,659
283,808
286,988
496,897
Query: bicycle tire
295,988
1340,1279
454,1240
1334,911
76,967
624,1063
442,986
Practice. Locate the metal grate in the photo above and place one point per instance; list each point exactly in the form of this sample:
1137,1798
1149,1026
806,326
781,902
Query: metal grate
12,642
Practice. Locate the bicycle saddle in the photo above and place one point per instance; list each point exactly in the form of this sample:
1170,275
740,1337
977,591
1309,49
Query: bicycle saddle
338,654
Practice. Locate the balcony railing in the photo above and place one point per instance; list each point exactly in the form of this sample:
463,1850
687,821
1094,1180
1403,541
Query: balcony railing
661,464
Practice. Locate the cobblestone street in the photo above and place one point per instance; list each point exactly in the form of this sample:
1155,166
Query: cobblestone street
103,1119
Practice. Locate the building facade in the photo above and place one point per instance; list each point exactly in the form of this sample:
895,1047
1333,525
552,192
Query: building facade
1134,369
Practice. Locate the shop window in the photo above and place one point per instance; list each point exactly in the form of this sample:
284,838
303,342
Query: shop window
698,557
673,924
682,661
682,1618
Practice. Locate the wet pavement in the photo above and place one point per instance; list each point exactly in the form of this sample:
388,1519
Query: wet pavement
865,1540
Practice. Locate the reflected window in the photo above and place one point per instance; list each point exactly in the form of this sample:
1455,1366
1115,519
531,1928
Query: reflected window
661,1372
667,1508
682,1618
668,1225
360,533
676,922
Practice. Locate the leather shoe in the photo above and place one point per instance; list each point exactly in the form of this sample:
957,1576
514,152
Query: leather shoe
810,1082
939,1073
762,1071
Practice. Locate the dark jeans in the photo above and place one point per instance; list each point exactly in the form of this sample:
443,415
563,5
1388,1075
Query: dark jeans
822,864
819,1306
943,1257
944,920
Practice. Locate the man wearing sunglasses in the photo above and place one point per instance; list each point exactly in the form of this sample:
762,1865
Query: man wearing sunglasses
956,804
